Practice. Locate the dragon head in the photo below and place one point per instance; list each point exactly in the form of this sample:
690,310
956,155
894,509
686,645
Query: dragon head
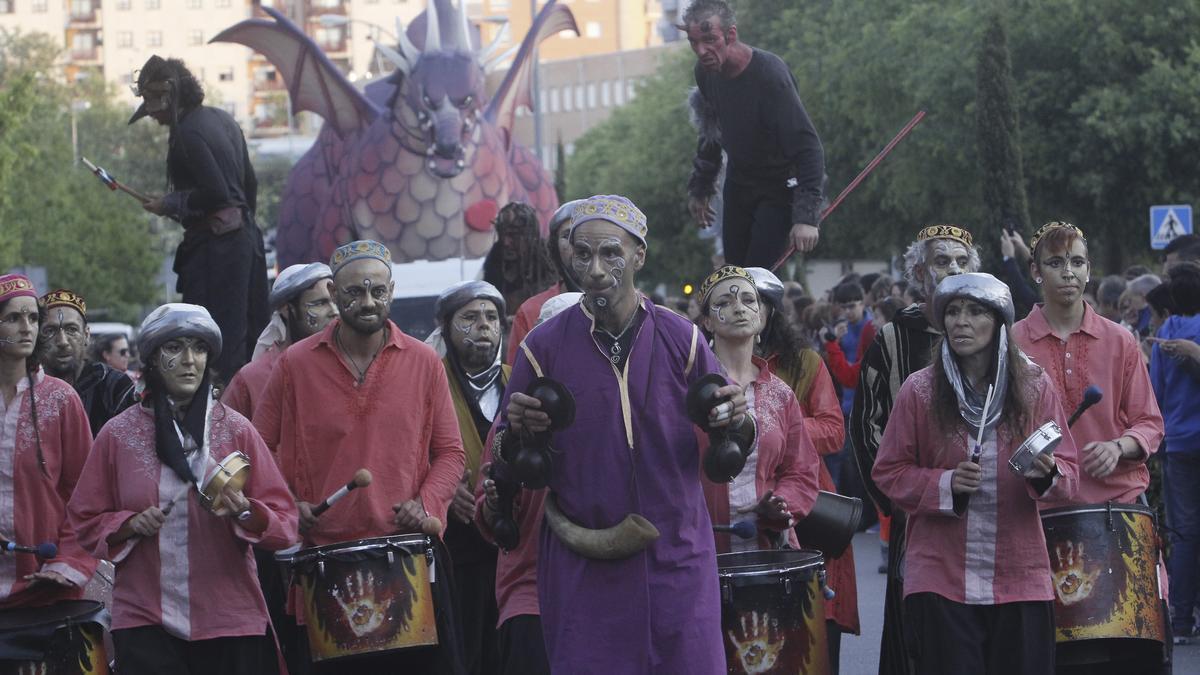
440,98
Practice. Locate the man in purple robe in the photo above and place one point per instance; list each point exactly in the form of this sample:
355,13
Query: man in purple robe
627,571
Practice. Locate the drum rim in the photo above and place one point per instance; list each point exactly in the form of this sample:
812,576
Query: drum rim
814,558
357,545
92,607
1081,509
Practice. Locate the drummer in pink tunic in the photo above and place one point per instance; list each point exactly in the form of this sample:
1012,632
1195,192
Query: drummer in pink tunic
44,441
977,575
1077,347
779,482
186,599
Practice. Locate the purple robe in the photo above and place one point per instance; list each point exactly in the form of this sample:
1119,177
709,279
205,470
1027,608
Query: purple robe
659,610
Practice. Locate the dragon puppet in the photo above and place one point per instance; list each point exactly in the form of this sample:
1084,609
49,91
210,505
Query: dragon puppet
422,160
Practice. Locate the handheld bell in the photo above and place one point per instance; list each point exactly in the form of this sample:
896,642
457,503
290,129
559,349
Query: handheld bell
724,459
557,402
504,525
702,397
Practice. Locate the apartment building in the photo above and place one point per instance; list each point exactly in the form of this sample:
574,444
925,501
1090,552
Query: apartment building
605,26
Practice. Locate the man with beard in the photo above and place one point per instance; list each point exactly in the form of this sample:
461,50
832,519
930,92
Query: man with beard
627,470
63,340
902,347
747,106
302,306
212,192
361,393
470,318
558,249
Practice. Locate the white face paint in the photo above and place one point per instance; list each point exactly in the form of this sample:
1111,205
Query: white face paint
734,305
18,327
181,362
601,258
476,334
944,258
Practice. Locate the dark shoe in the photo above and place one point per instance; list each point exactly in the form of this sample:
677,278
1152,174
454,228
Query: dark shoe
882,568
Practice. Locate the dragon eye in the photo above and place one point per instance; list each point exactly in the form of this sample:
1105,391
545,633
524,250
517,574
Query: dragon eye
426,100
466,101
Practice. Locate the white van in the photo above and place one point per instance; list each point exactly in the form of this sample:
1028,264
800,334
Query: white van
418,285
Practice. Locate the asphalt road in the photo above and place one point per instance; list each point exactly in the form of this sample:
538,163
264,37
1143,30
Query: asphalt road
860,653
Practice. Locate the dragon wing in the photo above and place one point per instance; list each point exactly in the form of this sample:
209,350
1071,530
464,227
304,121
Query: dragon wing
314,83
514,90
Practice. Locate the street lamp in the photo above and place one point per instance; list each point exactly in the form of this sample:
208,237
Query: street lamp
339,20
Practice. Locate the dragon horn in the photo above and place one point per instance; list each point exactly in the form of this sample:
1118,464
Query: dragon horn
407,49
494,46
392,55
433,33
498,60
464,28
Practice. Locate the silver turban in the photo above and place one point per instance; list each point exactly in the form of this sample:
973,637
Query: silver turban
458,295
769,287
175,320
296,279
982,288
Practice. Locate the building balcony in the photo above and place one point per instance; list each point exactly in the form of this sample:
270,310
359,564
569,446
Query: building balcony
78,19
83,56
319,7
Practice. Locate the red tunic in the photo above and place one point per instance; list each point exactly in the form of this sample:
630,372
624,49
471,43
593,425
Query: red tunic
516,570
33,508
247,385
785,460
526,318
196,578
322,426
1107,355
995,552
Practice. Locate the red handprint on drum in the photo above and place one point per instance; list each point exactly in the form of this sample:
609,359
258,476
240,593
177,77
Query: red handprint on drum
1071,582
760,643
365,611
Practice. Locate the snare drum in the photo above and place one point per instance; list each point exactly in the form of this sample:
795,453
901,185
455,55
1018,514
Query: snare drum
232,471
1104,559
1044,439
59,639
773,612
367,597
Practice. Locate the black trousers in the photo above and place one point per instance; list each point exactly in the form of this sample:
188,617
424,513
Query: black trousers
227,275
954,638
756,223
150,650
522,648
477,614
894,656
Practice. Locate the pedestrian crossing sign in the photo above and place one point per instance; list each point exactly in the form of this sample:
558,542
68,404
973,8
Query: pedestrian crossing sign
1168,222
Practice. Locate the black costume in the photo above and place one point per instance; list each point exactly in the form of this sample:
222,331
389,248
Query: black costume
900,348
214,189
776,171
105,392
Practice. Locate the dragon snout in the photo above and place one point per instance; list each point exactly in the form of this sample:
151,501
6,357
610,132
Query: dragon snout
445,153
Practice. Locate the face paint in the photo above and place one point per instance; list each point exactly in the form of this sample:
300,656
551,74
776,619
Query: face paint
168,362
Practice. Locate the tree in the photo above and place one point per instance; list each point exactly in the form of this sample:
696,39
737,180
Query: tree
55,215
643,152
1002,180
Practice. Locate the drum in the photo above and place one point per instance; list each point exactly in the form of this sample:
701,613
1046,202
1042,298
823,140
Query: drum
831,524
1044,439
232,471
773,612
367,596
60,639
1104,559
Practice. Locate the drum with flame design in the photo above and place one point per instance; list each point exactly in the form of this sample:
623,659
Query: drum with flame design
1104,561
367,596
65,638
773,612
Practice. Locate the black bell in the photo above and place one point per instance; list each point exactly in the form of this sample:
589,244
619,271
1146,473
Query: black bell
702,397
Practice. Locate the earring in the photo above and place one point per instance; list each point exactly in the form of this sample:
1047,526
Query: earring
1039,280
758,339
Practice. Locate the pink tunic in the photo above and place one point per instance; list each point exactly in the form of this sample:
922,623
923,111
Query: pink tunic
322,426
33,508
786,461
247,385
1107,355
196,578
995,552
516,570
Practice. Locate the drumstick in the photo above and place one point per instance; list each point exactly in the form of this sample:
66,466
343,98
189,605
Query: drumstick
431,525
987,403
362,478
113,183
174,500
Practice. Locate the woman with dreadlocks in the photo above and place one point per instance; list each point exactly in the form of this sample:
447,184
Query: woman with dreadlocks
789,356
518,264
186,598
558,250
44,440
212,192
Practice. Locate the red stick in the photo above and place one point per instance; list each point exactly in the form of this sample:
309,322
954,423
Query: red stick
858,179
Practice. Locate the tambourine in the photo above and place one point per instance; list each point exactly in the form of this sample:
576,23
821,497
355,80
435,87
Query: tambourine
1043,440
232,471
